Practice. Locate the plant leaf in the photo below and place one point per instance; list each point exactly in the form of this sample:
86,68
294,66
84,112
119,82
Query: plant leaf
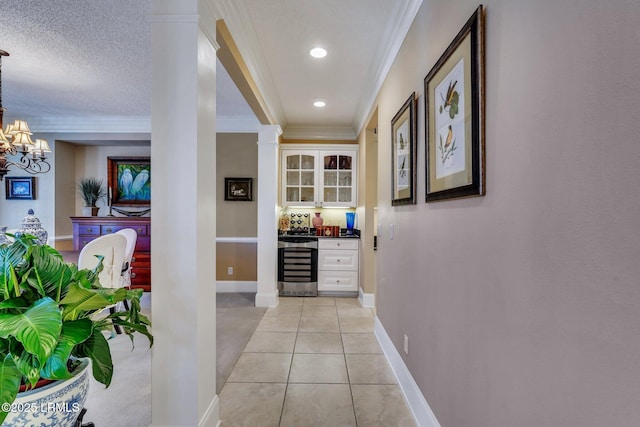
10,256
73,333
37,329
9,383
80,299
97,349
49,274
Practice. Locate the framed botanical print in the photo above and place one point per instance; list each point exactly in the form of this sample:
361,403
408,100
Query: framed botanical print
403,154
454,117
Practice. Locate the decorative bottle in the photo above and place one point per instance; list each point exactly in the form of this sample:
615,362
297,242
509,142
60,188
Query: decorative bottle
317,220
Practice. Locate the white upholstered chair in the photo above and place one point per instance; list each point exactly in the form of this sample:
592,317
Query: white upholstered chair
132,237
112,248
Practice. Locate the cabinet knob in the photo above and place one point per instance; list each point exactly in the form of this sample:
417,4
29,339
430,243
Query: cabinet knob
338,244
133,259
133,275
338,281
139,230
109,230
89,230
338,259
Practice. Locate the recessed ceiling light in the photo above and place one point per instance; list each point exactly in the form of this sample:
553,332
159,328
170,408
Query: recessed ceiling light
318,52
319,103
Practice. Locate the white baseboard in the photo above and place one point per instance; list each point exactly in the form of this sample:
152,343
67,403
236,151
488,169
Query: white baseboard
418,405
366,300
269,299
224,286
59,238
211,417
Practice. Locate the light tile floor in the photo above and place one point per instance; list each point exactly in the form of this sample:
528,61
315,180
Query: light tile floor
313,362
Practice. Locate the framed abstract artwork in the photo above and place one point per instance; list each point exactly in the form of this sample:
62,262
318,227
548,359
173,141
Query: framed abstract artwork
403,154
454,117
20,187
129,181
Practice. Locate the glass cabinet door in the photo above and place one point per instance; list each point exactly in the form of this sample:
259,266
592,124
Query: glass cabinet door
338,177
299,179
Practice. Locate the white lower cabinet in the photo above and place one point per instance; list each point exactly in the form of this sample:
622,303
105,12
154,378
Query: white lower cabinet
338,264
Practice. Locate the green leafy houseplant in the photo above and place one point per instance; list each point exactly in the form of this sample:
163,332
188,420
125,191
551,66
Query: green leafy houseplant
91,190
50,315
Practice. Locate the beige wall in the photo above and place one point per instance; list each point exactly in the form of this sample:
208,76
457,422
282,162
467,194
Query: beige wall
522,307
237,157
241,257
367,204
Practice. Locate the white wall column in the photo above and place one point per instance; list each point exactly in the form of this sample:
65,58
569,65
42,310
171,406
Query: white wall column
183,207
267,295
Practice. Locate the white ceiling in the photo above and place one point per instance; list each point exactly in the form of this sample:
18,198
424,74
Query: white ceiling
85,65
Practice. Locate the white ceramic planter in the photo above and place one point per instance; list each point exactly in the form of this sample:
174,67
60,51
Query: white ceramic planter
55,405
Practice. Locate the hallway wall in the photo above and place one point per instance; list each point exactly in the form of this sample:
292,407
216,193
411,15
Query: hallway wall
522,307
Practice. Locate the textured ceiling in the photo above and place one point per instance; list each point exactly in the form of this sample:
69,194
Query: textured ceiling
73,61
71,57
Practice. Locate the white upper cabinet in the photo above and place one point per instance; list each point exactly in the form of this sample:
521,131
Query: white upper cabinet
319,177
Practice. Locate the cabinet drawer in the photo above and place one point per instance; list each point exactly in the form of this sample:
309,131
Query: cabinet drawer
141,260
337,243
337,260
337,280
89,230
143,244
141,278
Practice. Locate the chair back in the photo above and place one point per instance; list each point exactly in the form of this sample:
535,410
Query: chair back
132,237
112,247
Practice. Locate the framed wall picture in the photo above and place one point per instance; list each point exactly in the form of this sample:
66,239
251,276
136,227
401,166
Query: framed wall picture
238,189
454,117
20,187
403,154
129,181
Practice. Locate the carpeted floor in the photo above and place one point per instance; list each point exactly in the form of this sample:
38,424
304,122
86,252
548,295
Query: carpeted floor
127,401
236,320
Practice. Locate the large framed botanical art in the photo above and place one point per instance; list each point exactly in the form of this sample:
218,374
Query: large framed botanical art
129,181
403,154
454,117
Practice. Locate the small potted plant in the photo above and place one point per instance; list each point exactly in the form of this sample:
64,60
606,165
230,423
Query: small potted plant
92,189
51,326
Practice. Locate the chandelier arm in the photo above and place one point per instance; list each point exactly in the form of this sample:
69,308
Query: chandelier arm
30,165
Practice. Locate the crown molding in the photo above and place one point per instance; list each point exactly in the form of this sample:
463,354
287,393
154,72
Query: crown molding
127,125
320,133
237,18
68,124
396,33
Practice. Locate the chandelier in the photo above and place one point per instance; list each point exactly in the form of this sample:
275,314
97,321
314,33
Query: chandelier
16,140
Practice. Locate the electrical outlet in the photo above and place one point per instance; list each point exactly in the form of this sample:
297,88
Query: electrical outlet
406,344
230,271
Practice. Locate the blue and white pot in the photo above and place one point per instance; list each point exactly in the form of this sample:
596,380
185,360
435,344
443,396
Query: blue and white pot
55,405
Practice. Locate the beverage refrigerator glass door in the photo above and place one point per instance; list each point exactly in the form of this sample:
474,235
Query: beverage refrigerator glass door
298,266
